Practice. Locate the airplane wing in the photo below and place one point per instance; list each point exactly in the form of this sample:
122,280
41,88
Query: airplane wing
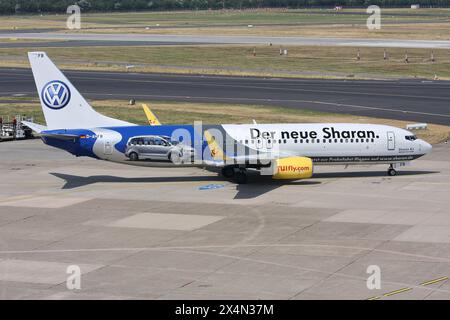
152,119
219,158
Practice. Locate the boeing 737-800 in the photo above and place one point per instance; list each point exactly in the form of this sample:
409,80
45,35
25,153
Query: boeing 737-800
284,151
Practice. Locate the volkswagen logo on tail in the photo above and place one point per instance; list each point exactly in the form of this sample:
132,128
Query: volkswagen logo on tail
55,94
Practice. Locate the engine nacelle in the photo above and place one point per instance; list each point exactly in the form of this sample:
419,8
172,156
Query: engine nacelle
292,168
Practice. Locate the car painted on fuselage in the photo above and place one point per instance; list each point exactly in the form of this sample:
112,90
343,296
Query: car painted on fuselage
157,148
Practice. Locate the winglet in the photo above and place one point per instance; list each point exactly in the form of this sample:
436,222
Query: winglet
152,119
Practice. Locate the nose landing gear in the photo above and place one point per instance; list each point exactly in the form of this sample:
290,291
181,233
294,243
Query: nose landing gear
391,171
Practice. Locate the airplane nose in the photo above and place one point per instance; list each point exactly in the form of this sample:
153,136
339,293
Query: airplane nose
426,147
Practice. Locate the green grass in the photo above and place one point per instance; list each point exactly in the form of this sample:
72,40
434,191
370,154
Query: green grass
303,16
228,17
317,61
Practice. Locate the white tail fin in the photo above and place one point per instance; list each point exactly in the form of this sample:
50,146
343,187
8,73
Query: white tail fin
62,104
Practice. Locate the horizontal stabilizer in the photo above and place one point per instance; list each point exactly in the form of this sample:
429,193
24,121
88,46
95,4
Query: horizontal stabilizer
61,136
34,126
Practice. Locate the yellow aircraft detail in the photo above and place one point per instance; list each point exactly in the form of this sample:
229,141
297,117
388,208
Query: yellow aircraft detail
152,119
216,151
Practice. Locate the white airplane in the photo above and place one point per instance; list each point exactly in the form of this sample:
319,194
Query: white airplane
284,151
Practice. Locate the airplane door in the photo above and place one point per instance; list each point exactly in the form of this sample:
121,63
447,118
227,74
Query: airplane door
390,140
259,144
108,147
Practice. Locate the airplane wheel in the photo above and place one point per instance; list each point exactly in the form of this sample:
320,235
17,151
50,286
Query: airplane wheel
227,172
392,172
241,176
134,156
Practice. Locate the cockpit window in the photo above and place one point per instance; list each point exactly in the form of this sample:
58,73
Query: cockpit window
411,138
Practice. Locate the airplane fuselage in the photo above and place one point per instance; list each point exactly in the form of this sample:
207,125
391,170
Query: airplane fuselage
324,143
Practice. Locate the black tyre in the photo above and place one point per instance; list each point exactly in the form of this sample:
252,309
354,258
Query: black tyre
392,172
228,172
134,156
241,177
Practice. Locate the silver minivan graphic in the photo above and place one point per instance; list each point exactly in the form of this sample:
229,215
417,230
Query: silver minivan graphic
160,148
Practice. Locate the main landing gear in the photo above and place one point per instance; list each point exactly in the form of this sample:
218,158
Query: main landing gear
391,171
239,175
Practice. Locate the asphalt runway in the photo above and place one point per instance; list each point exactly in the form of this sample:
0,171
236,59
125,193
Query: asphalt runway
185,233
411,100
246,40
85,43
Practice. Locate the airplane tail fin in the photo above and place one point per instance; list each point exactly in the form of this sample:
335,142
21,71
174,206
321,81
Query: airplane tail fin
63,106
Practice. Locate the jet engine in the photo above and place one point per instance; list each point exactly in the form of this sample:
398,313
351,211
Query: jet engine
292,168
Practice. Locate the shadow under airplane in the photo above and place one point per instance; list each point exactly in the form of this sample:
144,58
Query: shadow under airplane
256,186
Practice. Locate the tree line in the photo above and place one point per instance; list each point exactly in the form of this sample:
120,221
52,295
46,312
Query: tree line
60,6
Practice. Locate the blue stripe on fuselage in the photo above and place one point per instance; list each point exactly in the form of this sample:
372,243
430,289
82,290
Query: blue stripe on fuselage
84,146
80,147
